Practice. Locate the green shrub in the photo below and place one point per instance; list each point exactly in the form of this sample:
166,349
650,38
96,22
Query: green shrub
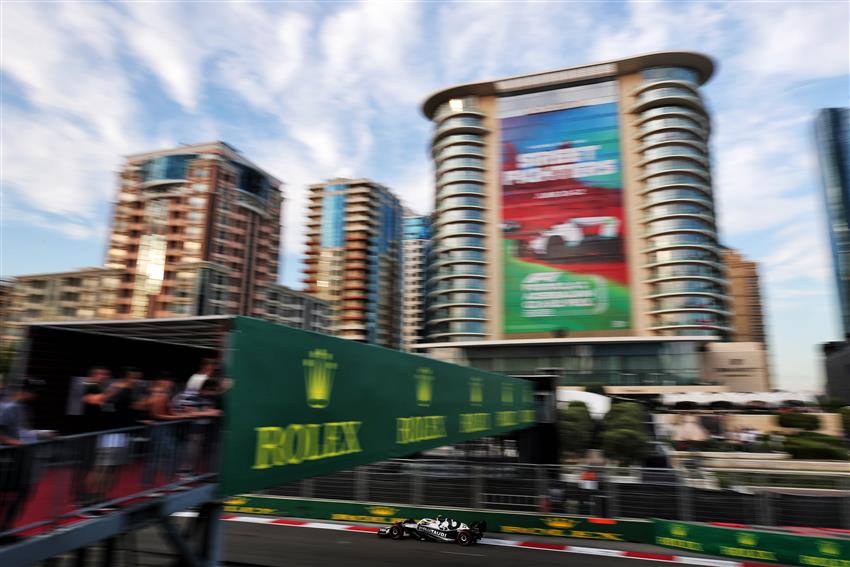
806,421
807,449
629,413
819,438
625,445
575,427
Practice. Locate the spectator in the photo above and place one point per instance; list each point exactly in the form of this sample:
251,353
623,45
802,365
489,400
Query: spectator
158,407
121,405
91,418
201,403
93,399
16,457
204,373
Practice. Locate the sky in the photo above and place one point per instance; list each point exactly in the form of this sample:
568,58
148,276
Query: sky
315,90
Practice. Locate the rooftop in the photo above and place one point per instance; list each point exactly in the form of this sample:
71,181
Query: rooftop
534,81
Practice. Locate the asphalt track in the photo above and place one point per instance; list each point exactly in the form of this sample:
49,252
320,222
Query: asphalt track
258,545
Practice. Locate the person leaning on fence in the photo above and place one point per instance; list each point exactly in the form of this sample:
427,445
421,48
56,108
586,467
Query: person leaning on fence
196,400
16,455
91,418
158,409
118,403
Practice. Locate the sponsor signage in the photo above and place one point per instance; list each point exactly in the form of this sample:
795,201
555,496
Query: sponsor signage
752,545
305,404
497,522
563,224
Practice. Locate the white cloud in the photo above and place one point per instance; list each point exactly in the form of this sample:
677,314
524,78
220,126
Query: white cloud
805,40
157,34
319,89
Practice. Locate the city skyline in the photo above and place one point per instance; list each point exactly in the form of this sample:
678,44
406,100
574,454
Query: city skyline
764,99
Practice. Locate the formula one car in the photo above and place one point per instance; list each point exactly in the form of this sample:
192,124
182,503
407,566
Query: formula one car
442,529
578,237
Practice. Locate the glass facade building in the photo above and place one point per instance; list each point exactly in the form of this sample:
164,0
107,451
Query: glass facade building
527,166
354,258
416,235
833,142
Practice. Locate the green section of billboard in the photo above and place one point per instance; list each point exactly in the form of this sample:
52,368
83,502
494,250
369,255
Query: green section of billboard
589,302
747,545
305,404
551,525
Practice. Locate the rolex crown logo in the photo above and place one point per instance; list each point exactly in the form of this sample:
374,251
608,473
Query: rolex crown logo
424,386
319,369
507,393
829,548
476,391
382,510
747,539
563,523
678,530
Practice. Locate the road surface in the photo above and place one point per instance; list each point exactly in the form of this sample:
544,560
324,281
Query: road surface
258,545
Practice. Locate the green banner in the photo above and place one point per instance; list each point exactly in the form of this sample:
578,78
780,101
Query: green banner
754,545
639,531
305,404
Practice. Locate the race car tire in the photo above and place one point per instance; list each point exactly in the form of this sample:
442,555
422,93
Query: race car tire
555,247
465,538
396,532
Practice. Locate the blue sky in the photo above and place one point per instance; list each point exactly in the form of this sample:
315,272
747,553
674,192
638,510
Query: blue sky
314,90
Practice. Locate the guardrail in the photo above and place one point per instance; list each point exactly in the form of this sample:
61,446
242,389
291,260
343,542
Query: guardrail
673,494
45,483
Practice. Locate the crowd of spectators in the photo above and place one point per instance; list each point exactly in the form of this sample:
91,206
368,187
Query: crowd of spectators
106,415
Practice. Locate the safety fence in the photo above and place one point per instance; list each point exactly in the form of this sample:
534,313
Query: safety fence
671,494
44,484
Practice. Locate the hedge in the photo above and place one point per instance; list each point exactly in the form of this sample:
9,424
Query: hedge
809,447
807,421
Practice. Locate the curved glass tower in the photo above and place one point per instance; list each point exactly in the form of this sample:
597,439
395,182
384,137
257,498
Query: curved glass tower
458,283
576,202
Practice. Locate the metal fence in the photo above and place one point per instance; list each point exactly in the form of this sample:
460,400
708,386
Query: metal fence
676,494
44,484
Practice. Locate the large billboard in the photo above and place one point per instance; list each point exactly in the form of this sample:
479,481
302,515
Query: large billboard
305,404
563,229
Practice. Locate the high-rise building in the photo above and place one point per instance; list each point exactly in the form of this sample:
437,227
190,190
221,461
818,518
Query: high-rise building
575,237
416,236
354,258
297,309
833,142
577,202
196,230
745,298
88,293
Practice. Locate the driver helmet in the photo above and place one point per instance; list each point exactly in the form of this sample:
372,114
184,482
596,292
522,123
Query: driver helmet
441,519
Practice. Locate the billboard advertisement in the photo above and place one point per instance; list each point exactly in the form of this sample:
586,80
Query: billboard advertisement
563,229
305,404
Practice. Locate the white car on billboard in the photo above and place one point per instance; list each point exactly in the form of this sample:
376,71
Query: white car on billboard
573,233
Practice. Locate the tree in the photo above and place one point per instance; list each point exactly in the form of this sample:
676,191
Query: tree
625,413
575,428
625,438
625,445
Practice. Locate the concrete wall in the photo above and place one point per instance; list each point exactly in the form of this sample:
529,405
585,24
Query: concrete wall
741,367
